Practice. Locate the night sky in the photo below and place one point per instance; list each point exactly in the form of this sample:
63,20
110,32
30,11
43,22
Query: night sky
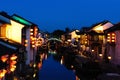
50,15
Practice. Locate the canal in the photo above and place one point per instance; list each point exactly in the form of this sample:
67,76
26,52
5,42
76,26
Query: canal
54,70
67,65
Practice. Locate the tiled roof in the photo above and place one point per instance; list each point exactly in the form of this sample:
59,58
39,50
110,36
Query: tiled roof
114,28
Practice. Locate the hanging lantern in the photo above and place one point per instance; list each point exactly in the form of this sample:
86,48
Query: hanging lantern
111,37
12,69
13,57
109,57
4,58
26,43
2,73
13,62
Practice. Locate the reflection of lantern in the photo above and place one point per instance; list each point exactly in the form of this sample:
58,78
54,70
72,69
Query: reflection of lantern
4,58
39,65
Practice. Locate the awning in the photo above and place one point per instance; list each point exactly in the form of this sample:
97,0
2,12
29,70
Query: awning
6,48
4,19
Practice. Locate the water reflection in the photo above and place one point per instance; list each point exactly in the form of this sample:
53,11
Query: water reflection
40,58
51,62
53,70
83,71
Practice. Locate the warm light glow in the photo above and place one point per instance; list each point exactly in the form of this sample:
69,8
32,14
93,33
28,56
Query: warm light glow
2,73
13,62
77,78
34,74
113,34
113,40
13,57
34,65
101,27
26,45
92,50
85,42
62,60
12,69
31,37
14,31
100,55
46,56
4,58
72,66
98,28
36,29
33,46
77,30
109,57
108,37
31,33
26,41
108,40
113,37
33,42
39,65
69,40
15,78
73,34
31,29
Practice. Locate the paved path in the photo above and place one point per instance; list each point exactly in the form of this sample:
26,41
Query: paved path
52,70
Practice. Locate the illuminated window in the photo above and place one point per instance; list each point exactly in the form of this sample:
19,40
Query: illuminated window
111,37
13,31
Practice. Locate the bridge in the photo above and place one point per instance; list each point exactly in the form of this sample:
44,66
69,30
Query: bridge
54,43
54,39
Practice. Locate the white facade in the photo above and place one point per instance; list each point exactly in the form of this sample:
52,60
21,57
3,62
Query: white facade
28,45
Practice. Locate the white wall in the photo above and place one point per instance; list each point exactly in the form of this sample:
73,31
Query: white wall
28,47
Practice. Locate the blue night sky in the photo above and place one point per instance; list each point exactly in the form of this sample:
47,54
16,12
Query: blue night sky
50,15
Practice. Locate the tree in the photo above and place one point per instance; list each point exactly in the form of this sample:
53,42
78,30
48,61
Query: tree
58,33
67,30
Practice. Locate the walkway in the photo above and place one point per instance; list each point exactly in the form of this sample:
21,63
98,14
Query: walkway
53,70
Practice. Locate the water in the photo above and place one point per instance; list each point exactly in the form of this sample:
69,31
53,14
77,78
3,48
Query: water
66,66
53,70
